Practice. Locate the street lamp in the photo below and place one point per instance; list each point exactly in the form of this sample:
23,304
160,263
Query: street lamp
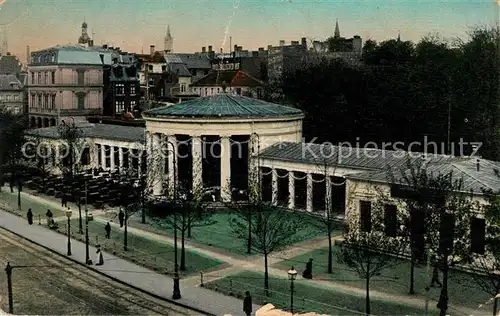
87,255
292,274
68,214
177,290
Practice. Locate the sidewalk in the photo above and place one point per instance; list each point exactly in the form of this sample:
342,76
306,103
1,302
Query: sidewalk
114,267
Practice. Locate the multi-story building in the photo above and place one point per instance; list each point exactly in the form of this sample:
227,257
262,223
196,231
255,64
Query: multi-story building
285,58
10,65
121,79
65,81
12,93
152,67
176,80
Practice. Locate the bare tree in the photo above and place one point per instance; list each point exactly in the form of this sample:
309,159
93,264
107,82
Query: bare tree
272,230
438,216
367,249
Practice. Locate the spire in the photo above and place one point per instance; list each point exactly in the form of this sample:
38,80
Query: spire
337,30
399,36
168,31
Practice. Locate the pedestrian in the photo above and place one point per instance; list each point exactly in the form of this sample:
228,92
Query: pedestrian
435,275
247,304
64,202
307,274
49,217
107,228
99,259
30,217
121,217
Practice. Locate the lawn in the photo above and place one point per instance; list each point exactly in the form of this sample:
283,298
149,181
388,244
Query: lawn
219,234
463,290
150,253
9,200
307,297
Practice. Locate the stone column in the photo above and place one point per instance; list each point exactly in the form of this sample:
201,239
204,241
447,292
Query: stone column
171,151
112,158
120,158
291,190
309,204
328,195
157,180
225,169
94,156
197,166
103,157
274,198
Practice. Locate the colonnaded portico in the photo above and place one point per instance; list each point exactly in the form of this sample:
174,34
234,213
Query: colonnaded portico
209,142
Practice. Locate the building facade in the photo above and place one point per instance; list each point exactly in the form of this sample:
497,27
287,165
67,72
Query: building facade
65,81
12,94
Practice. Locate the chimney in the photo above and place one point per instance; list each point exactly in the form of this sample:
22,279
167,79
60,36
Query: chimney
269,47
304,42
255,54
477,165
282,43
209,48
152,49
295,43
240,48
105,46
261,49
118,49
203,49
27,54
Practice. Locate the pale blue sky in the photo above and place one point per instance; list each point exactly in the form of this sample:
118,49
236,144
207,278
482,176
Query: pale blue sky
256,23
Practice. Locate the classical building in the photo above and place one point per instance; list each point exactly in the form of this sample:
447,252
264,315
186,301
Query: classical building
12,93
65,81
213,139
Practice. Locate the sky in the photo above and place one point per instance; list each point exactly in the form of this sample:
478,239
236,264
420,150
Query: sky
134,25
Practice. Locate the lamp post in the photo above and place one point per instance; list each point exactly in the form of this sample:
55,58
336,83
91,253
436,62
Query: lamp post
68,214
177,291
292,274
87,255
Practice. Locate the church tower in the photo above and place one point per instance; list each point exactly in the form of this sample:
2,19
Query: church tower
336,34
84,38
169,41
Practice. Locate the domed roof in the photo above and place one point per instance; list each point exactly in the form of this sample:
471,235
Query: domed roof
84,25
224,106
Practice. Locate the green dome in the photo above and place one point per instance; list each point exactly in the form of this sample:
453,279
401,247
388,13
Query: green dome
224,105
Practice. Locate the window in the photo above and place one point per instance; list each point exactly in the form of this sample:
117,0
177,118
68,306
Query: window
446,233
53,101
183,88
39,78
53,74
150,67
211,90
32,78
132,89
81,101
365,216
120,89
477,235
39,100
46,101
206,91
119,106
218,90
238,91
46,78
133,104
81,77
259,93
390,220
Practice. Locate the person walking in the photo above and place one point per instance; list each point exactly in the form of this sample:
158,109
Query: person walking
64,201
107,228
121,217
100,258
435,275
307,274
29,215
247,304
49,217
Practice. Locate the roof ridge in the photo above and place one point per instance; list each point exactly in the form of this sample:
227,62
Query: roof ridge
453,164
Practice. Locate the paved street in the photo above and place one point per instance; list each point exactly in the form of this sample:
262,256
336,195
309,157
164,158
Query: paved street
127,272
62,287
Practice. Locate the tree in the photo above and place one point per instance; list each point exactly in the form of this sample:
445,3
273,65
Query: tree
12,140
272,229
486,248
72,139
182,212
329,220
438,217
41,161
367,248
